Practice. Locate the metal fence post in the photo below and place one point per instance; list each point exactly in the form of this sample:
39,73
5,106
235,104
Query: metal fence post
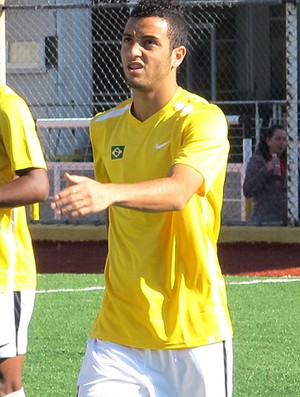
2,44
292,112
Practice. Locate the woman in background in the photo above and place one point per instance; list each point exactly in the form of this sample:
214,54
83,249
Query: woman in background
265,179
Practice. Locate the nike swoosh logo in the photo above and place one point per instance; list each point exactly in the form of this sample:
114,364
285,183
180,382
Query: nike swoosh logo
159,146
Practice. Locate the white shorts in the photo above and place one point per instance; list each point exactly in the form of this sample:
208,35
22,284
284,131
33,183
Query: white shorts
111,370
15,314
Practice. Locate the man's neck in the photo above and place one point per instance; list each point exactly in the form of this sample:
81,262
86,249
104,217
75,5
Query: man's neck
145,104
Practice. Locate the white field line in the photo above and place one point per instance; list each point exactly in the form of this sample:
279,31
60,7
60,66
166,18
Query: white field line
250,282
266,281
51,291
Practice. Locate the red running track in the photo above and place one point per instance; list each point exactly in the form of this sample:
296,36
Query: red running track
254,259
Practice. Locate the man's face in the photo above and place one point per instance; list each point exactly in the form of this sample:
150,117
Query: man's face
145,53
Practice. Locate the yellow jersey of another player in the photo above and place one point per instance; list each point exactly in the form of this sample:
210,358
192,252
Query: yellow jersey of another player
19,149
164,287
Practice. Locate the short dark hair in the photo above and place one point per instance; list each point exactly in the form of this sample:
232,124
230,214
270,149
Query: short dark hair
171,11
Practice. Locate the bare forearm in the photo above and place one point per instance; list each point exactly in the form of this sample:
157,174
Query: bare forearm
164,194
87,196
27,189
156,195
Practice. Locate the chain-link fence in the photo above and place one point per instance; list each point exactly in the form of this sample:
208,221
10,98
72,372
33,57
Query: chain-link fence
62,56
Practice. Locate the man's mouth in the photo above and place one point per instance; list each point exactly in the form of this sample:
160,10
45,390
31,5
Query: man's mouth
135,66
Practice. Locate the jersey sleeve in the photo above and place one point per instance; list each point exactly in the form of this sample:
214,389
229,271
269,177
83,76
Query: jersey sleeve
205,144
20,137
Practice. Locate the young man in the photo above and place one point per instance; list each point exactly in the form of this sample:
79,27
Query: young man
160,157
23,180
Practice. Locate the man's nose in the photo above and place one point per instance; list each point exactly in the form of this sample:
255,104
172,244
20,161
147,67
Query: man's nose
136,49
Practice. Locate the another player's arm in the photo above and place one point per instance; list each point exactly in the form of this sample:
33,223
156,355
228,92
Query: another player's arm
165,194
31,185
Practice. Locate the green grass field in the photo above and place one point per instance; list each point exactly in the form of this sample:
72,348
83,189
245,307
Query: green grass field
265,314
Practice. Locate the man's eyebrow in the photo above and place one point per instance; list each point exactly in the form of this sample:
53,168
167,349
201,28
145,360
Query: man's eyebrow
150,36
143,37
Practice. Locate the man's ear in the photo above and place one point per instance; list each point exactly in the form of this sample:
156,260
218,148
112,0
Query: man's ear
178,56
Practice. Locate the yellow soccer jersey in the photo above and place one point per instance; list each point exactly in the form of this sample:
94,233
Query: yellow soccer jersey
19,149
164,287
